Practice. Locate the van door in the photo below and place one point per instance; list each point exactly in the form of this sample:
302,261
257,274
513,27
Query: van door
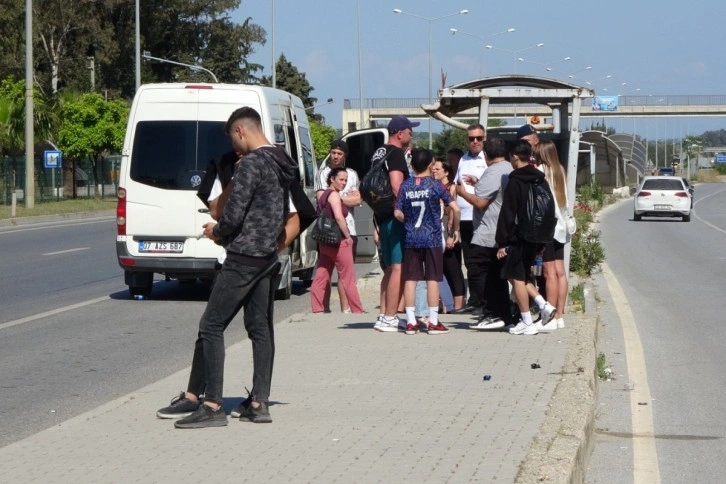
361,146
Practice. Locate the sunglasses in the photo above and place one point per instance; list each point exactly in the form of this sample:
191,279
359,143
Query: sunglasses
476,138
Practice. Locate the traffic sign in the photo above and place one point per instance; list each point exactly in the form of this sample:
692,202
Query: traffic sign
52,158
720,158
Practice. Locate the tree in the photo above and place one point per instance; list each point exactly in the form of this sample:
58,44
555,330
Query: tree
290,79
456,138
322,136
12,116
93,128
602,127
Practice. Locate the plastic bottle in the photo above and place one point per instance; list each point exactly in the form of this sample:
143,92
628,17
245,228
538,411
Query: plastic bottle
537,267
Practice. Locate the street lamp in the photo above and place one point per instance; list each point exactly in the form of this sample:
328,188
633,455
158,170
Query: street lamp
430,20
146,55
571,75
482,38
360,68
329,101
516,52
547,65
589,83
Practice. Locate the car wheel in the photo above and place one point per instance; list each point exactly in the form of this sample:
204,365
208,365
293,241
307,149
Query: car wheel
687,218
637,217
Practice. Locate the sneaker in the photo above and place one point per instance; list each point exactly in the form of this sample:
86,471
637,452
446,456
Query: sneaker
548,313
549,327
260,414
560,323
377,324
347,311
388,325
525,329
203,417
240,409
412,328
180,407
508,327
438,329
488,323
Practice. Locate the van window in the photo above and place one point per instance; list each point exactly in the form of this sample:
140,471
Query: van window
174,155
308,156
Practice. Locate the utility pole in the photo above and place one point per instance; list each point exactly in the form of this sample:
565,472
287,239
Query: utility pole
29,134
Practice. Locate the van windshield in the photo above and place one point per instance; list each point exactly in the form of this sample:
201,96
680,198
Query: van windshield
174,155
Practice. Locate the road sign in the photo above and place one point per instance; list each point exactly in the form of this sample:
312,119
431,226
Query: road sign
52,158
720,158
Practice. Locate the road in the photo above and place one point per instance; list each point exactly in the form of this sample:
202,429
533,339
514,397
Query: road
661,418
72,339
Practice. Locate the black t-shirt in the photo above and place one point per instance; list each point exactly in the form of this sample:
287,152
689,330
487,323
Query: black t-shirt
396,161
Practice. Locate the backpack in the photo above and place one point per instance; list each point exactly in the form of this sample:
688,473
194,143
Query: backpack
538,220
375,188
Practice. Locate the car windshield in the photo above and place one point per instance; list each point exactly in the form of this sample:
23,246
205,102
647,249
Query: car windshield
663,184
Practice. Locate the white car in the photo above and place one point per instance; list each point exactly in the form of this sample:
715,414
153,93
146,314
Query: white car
662,196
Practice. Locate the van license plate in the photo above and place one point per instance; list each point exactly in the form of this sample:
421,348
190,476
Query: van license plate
662,207
161,247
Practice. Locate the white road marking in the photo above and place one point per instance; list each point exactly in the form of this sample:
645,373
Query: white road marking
13,229
699,218
67,251
645,453
52,312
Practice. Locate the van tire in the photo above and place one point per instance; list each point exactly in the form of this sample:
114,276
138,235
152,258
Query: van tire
140,283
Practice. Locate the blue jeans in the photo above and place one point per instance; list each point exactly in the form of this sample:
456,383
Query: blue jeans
447,299
421,303
237,286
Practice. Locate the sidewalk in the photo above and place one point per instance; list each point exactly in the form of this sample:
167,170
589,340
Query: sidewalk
350,404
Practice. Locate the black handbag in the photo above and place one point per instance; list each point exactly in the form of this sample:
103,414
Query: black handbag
326,230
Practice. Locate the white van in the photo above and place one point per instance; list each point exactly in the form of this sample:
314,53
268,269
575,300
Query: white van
174,130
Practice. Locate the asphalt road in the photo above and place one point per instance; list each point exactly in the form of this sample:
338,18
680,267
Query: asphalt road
672,274
72,339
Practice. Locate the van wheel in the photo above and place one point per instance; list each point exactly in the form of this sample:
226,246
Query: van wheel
285,293
687,218
140,283
637,217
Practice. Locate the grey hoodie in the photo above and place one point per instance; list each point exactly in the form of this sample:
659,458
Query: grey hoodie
256,209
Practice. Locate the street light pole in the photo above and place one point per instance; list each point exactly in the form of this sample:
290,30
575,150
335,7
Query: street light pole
138,48
29,196
515,52
146,55
274,66
430,20
457,31
360,70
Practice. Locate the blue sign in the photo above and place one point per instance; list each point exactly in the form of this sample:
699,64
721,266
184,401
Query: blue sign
605,103
52,159
720,158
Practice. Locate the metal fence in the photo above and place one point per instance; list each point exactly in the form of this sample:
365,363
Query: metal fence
52,184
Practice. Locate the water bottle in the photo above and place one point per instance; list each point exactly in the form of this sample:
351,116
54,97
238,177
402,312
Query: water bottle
537,267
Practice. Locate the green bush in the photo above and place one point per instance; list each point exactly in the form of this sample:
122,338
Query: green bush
586,251
591,193
720,168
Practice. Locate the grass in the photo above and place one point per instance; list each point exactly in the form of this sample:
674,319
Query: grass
60,207
603,370
577,298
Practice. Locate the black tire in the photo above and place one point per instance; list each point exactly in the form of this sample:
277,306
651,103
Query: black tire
687,218
140,283
144,291
637,217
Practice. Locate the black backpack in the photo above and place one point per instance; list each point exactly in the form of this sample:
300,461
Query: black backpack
538,220
375,188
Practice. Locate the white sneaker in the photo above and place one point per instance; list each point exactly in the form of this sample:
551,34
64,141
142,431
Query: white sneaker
548,313
493,323
549,327
524,329
387,325
377,324
560,323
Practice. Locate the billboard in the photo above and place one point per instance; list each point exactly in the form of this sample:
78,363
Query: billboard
605,103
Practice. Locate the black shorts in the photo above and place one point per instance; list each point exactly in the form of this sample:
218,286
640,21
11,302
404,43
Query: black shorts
423,264
553,251
520,257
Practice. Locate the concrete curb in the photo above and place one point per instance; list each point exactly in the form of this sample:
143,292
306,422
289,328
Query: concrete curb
59,218
561,450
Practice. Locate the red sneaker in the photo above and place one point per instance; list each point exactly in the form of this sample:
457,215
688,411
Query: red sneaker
411,328
438,329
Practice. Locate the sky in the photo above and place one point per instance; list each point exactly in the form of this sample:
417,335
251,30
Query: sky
655,47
